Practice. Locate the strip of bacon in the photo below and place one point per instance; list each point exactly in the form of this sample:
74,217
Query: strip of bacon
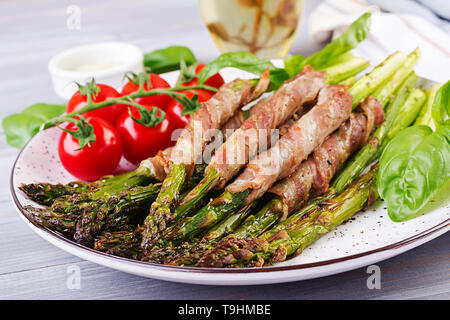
159,164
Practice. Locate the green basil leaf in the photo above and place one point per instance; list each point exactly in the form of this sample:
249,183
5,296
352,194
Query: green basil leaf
19,128
413,167
168,59
45,111
277,78
441,104
331,54
245,61
291,64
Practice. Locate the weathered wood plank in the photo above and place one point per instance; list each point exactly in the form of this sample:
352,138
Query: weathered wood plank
21,249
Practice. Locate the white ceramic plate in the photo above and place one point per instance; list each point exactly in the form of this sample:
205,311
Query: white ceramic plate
370,237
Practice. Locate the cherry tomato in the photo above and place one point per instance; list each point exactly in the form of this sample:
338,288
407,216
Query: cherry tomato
96,159
175,108
159,100
141,142
109,114
215,80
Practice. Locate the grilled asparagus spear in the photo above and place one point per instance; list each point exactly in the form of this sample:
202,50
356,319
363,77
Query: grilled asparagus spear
126,244
46,193
113,212
149,171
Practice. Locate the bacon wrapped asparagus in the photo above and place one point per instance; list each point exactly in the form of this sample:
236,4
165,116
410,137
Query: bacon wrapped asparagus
404,103
310,179
251,138
302,138
303,160
230,201
268,115
315,174
271,112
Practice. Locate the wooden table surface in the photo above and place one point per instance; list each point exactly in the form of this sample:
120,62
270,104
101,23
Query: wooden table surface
31,268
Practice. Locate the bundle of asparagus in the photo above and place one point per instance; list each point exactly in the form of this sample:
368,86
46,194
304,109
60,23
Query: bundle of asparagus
233,199
269,212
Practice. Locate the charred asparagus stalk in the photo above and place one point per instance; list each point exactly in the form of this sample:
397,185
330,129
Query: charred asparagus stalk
113,212
295,238
60,222
46,193
126,244
88,213
86,219
207,217
76,203
142,176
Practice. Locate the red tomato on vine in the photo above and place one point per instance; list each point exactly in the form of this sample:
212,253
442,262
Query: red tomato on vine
143,134
152,82
92,152
98,93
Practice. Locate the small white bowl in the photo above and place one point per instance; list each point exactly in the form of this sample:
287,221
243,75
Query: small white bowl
106,62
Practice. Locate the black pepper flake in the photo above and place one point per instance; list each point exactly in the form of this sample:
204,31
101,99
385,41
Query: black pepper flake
329,162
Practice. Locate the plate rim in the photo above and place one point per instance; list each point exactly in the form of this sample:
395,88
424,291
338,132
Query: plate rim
396,245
